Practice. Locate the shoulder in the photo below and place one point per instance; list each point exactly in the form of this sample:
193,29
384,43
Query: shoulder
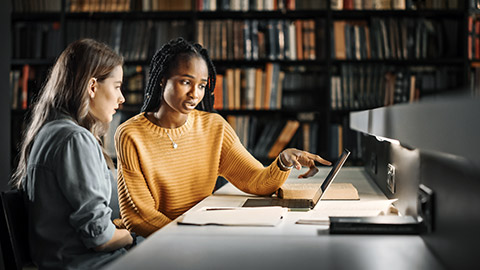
59,138
210,118
214,124
136,123
64,130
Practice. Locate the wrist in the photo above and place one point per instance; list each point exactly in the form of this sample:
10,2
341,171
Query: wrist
282,165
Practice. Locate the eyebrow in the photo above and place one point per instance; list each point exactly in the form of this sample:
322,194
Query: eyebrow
190,76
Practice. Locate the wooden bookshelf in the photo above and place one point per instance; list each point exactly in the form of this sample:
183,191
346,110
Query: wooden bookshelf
309,84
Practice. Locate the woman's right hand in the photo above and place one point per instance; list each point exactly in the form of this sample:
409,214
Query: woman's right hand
121,238
298,158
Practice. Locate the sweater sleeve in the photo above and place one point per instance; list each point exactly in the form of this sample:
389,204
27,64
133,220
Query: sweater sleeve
138,209
246,173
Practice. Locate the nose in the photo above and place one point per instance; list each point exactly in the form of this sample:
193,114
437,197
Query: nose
195,92
121,99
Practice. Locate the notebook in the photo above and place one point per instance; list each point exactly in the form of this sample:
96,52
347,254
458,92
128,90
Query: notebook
302,203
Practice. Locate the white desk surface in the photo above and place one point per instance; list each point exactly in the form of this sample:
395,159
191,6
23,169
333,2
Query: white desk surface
285,246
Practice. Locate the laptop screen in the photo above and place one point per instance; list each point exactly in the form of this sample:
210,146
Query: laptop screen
334,171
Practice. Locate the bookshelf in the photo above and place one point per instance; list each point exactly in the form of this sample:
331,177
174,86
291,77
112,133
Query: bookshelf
302,60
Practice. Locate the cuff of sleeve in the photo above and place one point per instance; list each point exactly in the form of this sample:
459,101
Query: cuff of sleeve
102,238
276,172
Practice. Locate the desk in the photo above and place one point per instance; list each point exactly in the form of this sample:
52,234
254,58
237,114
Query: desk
286,246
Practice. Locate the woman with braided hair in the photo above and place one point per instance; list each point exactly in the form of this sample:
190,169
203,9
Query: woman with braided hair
170,155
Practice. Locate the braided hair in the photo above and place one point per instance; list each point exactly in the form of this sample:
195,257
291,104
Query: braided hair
160,67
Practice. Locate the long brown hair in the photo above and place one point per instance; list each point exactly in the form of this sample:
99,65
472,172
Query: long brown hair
65,91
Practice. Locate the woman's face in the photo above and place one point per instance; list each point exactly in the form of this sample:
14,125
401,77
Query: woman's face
185,87
106,95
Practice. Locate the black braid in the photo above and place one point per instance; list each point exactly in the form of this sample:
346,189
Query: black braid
160,67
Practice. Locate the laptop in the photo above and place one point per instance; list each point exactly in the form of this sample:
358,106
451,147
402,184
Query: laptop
302,203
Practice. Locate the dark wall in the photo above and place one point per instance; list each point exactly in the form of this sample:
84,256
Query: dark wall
5,54
455,182
378,154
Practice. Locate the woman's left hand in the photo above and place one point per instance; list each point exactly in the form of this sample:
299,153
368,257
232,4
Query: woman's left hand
299,158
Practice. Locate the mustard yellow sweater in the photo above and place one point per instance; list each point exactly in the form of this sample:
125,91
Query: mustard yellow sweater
158,183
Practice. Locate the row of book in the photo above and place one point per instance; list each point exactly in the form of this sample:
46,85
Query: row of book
100,5
27,80
394,4
393,38
25,83
232,5
186,5
258,5
266,138
268,88
473,41
39,40
258,39
30,6
370,86
149,35
249,88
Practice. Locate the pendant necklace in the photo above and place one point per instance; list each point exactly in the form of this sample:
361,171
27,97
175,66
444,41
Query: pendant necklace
174,145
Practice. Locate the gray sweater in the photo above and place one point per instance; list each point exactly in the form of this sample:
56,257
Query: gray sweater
69,191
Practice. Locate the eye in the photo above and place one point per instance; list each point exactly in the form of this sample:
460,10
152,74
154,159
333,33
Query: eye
202,86
185,82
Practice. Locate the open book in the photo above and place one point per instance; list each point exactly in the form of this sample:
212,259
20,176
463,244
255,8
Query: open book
337,191
235,216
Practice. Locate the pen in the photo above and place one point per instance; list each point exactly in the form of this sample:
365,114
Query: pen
299,209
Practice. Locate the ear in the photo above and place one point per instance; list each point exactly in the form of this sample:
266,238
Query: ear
163,82
92,87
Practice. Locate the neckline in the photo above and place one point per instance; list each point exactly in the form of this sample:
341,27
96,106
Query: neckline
173,132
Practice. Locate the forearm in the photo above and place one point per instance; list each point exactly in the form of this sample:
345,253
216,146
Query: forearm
134,222
249,175
120,239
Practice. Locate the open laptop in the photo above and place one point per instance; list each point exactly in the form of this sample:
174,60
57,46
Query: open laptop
302,203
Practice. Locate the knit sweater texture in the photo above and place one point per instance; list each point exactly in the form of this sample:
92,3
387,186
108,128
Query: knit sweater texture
157,183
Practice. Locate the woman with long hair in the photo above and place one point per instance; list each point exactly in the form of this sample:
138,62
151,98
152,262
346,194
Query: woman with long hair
63,168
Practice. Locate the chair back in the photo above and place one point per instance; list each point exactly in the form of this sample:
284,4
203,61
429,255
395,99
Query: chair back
14,230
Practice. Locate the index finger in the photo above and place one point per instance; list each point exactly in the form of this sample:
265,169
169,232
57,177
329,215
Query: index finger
319,159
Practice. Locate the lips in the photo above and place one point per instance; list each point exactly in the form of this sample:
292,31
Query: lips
191,104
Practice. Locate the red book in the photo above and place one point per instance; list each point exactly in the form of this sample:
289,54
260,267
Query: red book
470,34
25,77
348,4
477,39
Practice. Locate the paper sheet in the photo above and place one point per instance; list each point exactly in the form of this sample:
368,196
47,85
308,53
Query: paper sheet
320,215
235,216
